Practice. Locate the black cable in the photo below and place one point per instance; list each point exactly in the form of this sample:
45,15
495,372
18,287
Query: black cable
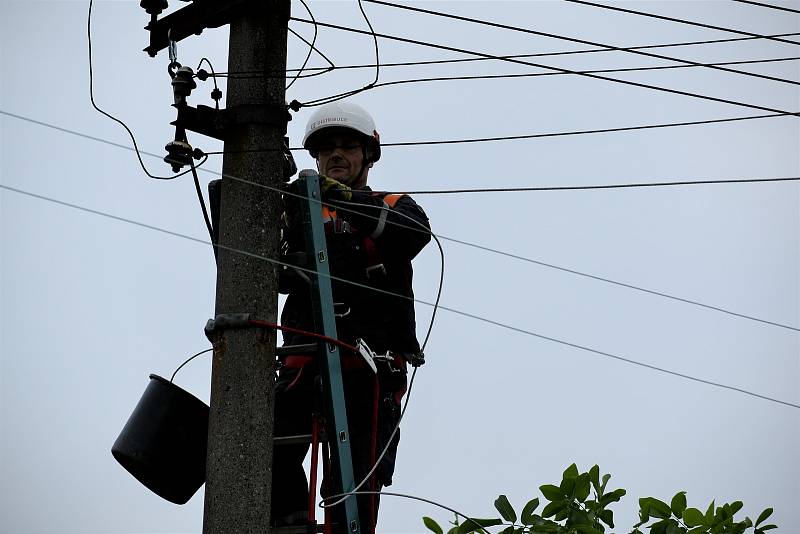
535,136
601,71
118,121
575,40
352,92
214,79
536,74
415,498
375,38
202,201
461,242
770,6
311,47
514,56
397,295
597,186
517,61
187,361
681,21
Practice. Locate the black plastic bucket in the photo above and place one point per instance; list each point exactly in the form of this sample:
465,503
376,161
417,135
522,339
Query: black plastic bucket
164,441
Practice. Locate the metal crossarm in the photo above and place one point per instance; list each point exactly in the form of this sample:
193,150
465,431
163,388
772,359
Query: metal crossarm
329,360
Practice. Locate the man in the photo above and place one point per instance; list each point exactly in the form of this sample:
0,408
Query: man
371,240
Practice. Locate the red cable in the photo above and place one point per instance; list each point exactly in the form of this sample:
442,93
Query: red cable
332,341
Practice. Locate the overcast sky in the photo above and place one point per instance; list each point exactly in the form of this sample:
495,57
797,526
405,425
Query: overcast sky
90,306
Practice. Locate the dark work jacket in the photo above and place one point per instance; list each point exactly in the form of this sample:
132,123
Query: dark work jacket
384,321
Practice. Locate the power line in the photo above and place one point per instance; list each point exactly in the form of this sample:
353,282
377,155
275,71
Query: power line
554,134
482,247
770,6
681,21
323,70
574,40
451,310
600,71
596,186
311,47
328,99
517,61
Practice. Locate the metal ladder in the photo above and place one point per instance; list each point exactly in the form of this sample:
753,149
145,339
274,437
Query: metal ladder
328,360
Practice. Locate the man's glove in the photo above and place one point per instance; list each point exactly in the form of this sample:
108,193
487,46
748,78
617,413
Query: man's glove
334,190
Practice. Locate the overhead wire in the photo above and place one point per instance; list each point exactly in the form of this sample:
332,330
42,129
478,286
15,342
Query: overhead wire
597,71
769,6
455,311
548,67
311,47
490,249
536,136
296,105
115,119
515,56
682,21
529,31
216,94
480,528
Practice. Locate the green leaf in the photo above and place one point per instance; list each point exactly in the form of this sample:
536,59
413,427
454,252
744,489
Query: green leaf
674,528
659,527
606,478
508,530
567,486
432,525
472,524
579,517
594,477
698,530
657,508
506,510
614,496
453,530
768,527
678,504
551,493
710,514
562,515
570,472
763,516
693,517
582,487
607,517
554,507
735,507
527,511
586,529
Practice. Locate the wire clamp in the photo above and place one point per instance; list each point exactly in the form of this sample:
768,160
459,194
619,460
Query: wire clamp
226,321
367,354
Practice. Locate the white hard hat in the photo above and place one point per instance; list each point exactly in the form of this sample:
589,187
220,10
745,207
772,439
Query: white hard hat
343,115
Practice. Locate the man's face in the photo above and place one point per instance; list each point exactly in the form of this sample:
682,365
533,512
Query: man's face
341,157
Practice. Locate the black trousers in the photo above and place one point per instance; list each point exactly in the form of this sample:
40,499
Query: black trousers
298,396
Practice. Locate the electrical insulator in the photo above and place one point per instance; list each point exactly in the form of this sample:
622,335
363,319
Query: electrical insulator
179,154
182,84
154,7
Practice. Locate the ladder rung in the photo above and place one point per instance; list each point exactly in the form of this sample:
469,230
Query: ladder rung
298,439
292,350
298,529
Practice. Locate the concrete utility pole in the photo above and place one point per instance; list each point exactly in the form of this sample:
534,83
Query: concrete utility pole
239,465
